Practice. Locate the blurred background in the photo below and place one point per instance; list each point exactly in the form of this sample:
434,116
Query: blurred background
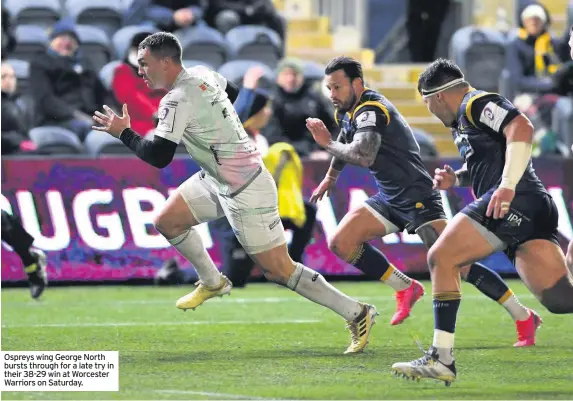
89,203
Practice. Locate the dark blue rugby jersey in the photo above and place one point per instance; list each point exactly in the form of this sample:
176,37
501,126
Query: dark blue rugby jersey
398,169
482,117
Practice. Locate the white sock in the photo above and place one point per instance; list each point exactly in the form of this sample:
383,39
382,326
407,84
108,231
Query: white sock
313,286
444,343
443,339
190,245
515,308
396,279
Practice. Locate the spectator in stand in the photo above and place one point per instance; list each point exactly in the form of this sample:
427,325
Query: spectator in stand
167,15
14,116
8,39
293,102
68,91
227,14
532,56
533,61
129,87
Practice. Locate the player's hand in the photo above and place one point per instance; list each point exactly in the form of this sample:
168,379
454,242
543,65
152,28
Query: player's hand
319,131
324,188
499,203
444,178
111,122
252,77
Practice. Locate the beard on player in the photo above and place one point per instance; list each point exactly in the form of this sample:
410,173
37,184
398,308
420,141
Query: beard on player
345,105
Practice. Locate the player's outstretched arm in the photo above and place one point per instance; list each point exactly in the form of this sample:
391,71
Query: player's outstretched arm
159,152
361,151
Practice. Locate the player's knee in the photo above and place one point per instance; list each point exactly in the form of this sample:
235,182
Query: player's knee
559,298
169,225
341,246
436,257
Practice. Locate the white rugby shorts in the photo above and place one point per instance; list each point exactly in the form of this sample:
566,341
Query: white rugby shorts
253,212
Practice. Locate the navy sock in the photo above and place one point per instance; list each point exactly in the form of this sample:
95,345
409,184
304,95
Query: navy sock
487,281
446,306
370,261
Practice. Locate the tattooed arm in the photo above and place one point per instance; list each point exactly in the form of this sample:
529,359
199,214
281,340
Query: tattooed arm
336,164
362,151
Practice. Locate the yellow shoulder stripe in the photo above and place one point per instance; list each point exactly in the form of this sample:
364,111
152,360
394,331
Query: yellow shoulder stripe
336,116
469,107
375,104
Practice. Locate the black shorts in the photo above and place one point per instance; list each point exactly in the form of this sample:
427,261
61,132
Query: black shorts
532,215
409,215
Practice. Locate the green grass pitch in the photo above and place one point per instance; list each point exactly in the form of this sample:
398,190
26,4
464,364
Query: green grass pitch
265,342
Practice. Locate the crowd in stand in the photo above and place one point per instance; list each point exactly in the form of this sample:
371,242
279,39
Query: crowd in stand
62,86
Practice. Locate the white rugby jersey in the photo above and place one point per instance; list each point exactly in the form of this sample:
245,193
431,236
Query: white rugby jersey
198,112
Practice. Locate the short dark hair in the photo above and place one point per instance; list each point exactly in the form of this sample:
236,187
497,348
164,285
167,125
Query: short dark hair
438,73
352,68
163,45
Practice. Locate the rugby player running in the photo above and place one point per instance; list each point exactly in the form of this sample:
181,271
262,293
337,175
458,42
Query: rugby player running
375,135
513,211
233,182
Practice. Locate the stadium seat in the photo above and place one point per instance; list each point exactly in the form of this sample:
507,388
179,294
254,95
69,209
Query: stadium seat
55,140
205,44
257,43
193,63
43,13
122,39
104,14
562,120
234,71
313,71
107,72
22,71
480,53
95,46
99,143
30,40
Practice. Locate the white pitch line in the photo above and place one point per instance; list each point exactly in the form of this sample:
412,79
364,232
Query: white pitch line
231,300
175,323
220,396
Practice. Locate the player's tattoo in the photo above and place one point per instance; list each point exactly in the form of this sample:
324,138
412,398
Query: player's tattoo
361,151
336,163
463,176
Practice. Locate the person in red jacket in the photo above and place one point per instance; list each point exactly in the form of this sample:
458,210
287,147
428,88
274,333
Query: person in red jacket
129,88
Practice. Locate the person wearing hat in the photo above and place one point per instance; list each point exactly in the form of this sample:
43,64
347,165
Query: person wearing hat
281,159
66,88
130,89
295,100
532,56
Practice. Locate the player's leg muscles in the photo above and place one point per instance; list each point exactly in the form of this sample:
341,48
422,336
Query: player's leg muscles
190,205
541,265
462,242
350,243
487,281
